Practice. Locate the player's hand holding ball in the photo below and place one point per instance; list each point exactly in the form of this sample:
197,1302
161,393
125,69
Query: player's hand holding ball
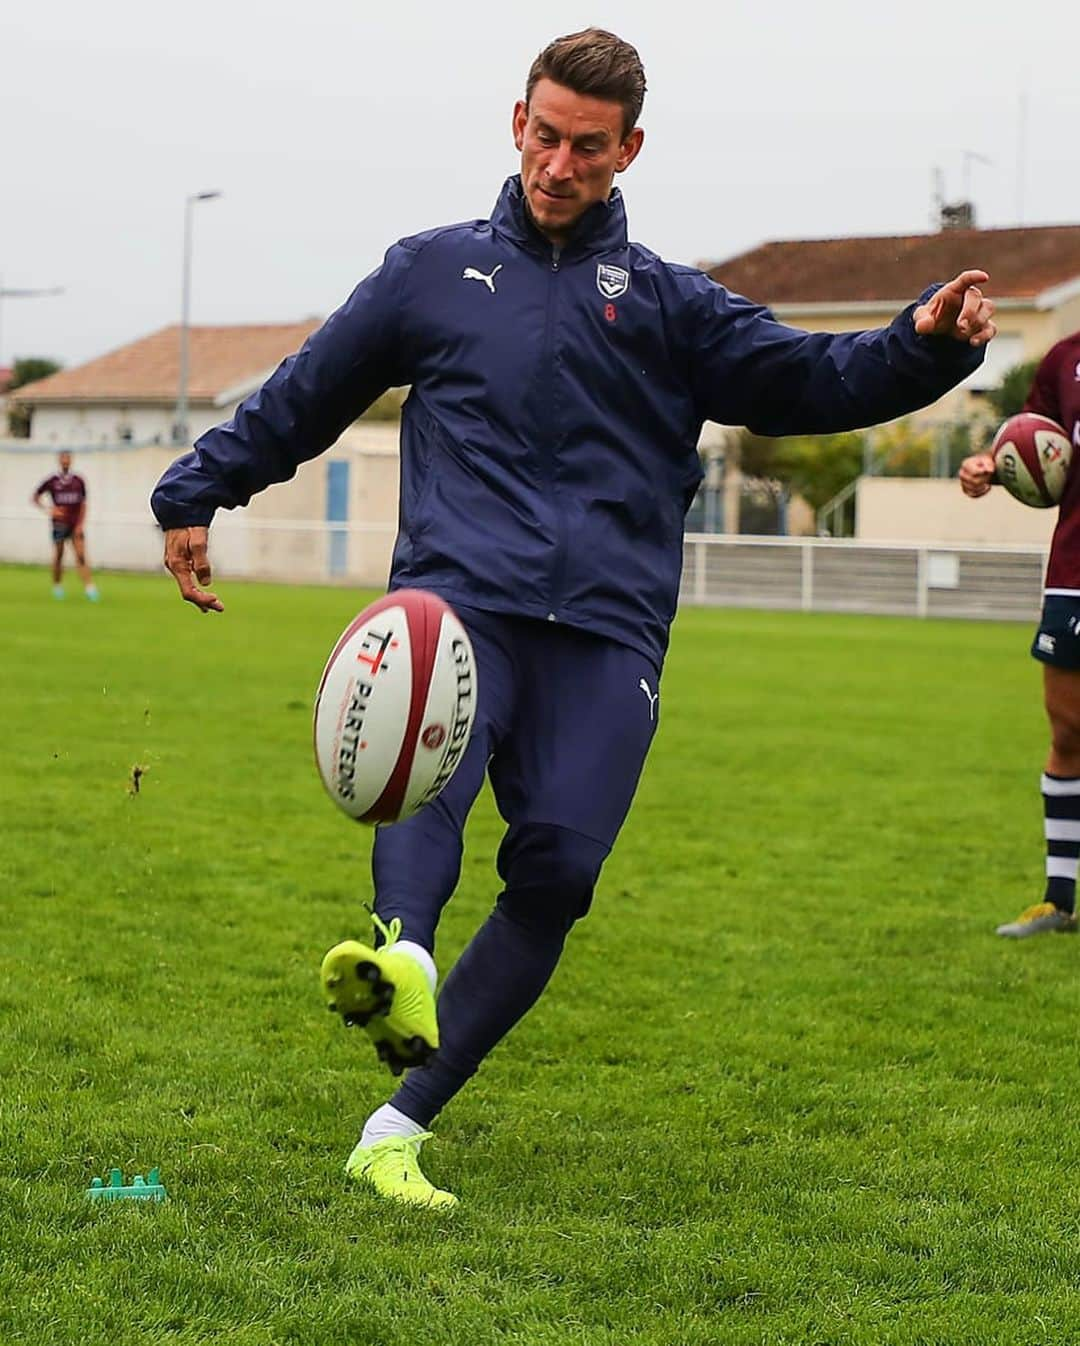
977,474
1030,457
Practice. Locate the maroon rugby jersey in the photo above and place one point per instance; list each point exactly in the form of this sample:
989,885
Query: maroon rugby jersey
1055,392
68,492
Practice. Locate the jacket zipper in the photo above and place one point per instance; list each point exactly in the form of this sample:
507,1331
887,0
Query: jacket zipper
559,562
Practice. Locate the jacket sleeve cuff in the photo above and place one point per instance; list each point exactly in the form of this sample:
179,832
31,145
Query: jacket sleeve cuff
174,514
943,350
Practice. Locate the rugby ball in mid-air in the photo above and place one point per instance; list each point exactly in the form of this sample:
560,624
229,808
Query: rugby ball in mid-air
395,707
1031,459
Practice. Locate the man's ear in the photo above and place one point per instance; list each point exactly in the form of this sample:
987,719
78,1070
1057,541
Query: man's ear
521,116
630,149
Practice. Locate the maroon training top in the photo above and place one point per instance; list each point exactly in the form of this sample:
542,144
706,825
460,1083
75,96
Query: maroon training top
1055,392
68,493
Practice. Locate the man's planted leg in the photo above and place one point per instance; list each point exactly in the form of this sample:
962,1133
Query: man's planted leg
550,873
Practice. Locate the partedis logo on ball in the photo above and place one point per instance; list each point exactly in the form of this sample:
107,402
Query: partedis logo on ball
349,739
372,653
373,650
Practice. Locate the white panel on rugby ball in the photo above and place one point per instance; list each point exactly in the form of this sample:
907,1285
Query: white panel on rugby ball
395,707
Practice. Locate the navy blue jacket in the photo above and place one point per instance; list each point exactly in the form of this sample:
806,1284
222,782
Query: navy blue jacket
549,443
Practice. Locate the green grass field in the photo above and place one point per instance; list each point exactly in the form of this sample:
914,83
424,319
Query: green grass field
785,1087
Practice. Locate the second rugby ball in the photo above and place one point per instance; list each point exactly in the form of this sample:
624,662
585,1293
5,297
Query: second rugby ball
1032,454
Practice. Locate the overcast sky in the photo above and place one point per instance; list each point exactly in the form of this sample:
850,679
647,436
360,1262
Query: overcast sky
334,127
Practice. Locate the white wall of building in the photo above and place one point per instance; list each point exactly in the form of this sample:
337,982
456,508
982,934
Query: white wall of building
82,424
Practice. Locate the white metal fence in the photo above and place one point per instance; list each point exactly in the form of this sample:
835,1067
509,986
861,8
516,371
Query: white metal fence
808,574
841,575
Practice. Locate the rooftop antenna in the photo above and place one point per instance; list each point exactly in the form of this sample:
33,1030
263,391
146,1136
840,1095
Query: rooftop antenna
970,157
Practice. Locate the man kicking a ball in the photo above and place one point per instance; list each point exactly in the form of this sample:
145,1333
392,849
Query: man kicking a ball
560,376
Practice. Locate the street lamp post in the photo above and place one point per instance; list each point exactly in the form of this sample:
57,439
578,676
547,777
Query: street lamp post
180,426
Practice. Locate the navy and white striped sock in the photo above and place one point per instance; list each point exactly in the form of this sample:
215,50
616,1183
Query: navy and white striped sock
1061,802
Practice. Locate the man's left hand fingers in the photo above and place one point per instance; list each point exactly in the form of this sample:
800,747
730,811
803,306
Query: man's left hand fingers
976,321
965,280
984,329
965,320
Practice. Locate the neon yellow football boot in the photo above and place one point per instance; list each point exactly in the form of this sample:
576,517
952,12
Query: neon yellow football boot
1036,920
392,1168
385,993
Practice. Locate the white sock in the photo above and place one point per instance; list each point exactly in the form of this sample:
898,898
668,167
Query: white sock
387,1121
418,954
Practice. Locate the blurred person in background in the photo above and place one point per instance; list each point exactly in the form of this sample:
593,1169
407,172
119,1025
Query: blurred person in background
67,513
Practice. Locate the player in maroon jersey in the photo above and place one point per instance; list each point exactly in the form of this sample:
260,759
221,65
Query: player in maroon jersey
67,512
1055,392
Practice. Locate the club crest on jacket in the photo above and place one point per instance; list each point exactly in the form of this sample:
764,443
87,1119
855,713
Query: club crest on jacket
611,281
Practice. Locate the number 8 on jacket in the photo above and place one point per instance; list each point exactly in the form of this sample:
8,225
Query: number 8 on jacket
395,707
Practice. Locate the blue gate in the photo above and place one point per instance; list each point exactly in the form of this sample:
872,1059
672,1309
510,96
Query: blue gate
337,516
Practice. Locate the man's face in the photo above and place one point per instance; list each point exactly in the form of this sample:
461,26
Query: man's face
65,462
571,147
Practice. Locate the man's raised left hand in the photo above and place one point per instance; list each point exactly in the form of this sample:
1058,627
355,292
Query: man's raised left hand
960,310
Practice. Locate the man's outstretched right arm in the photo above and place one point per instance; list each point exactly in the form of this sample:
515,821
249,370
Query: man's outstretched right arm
297,414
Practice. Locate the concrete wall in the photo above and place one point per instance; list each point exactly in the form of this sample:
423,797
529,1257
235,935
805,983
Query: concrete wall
288,527
890,509
373,504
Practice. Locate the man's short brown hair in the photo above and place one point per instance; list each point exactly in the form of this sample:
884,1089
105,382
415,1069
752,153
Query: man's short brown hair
597,63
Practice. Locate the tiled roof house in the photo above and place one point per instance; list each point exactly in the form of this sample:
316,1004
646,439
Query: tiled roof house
840,284
130,394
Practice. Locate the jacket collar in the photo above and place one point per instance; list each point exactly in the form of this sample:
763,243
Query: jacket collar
600,229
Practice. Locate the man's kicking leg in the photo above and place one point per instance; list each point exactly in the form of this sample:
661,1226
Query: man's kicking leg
388,987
